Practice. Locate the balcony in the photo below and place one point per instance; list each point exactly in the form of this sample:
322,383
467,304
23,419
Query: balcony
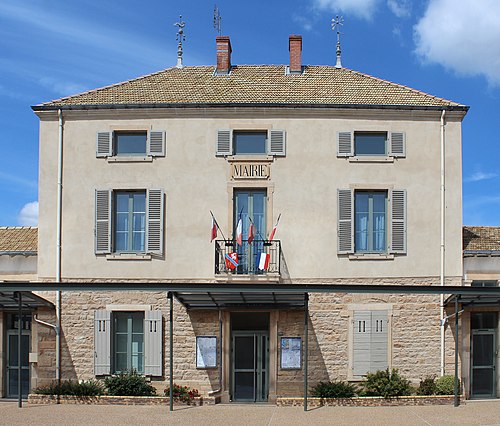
261,257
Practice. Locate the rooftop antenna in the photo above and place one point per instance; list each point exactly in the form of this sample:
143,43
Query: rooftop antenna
180,37
217,20
336,24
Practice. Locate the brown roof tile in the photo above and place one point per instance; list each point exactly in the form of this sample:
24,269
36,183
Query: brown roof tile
18,239
481,238
254,84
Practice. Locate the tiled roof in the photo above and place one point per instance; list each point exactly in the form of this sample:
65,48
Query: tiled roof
18,239
481,238
254,85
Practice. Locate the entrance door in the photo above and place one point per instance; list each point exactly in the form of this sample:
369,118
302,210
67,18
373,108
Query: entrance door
483,354
12,366
250,206
250,360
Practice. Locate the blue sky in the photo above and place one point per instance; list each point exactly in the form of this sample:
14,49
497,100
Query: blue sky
54,48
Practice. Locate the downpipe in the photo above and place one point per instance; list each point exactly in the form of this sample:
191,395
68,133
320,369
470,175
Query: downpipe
442,245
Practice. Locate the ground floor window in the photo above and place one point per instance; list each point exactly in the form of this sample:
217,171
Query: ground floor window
128,341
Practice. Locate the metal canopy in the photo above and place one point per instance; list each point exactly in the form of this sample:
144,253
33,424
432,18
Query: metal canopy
10,300
242,299
479,300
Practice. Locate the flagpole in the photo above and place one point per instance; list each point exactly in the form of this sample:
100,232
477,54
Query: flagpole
217,225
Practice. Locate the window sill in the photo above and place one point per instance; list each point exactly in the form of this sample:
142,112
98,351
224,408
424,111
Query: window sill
251,158
371,159
128,256
131,159
371,256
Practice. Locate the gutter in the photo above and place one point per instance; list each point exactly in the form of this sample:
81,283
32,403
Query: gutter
17,253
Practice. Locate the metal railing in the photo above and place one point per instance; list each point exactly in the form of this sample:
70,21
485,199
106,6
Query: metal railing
247,259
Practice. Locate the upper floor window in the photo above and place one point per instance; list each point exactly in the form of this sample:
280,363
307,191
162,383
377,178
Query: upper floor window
130,221
484,283
366,143
130,143
245,143
371,221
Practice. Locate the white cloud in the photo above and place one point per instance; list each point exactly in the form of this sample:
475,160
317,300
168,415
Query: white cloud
305,23
400,8
463,36
478,176
28,216
61,87
364,9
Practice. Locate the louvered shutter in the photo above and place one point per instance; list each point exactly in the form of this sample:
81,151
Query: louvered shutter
102,221
379,335
155,221
157,142
345,144
345,221
102,342
224,143
398,144
153,348
361,343
398,221
277,142
104,144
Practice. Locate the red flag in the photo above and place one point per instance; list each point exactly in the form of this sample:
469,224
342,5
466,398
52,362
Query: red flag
239,233
251,233
213,235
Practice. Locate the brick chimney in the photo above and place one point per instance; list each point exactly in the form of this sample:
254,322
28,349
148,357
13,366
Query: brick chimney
223,55
295,48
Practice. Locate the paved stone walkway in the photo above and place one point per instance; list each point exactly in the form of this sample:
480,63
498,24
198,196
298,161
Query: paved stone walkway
473,413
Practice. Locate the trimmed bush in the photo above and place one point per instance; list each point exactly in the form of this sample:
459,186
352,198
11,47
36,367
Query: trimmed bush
427,386
387,383
182,393
70,387
333,390
445,385
129,383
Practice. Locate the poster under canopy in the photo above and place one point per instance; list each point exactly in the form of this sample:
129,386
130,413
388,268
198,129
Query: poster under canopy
206,352
291,352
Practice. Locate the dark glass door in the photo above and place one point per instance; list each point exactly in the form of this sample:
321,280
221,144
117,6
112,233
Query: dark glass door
250,366
12,363
483,355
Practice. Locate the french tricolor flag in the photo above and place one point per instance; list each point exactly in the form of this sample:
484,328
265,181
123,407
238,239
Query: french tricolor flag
239,232
264,261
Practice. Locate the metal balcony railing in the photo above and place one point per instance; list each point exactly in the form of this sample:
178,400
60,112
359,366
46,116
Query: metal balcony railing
247,259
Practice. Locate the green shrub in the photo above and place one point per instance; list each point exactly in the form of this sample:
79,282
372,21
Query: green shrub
70,387
427,386
129,383
445,385
387,384
333,390
182,393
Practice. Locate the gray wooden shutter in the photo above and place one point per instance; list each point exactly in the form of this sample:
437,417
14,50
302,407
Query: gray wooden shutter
103,221
155,221
397,144
345,221
398,221
277,142
157,142
345,146
224,143
379,335
361,343
153,347
104,144
102,342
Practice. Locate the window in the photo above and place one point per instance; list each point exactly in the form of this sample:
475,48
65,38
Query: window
120,145
484,283
370,143
130,221
371,221
370,342
384,146
124,340
130,143
250,142
245,143
128,330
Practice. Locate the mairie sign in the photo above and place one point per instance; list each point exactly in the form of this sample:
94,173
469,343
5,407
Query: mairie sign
249,170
